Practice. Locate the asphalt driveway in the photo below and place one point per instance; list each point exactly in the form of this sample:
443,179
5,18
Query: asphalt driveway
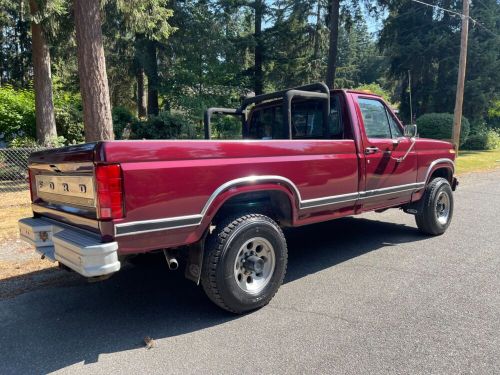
362,295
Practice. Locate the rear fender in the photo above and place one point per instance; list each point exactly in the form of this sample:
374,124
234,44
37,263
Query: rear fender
196,250
225,196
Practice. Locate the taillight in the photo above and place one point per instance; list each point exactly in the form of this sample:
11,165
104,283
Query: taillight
109,191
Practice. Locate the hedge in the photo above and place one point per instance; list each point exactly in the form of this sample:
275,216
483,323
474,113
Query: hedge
17,116
484,140
440,125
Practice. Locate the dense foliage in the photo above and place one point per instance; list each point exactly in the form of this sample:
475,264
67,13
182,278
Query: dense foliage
484,140
439,126
17,117
17,113
168,61
163,126
424,42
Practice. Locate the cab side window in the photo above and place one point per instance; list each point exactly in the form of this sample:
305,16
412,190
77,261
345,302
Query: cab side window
374,118
396,130
377,119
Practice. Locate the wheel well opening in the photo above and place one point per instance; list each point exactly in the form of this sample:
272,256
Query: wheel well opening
442,172
274,204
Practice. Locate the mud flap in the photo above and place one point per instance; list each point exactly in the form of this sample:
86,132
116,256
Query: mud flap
195,261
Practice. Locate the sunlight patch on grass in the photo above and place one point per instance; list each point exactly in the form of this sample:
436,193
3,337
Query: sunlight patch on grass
13,206
474,161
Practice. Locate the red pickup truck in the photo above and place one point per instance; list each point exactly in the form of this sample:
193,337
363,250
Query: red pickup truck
305,155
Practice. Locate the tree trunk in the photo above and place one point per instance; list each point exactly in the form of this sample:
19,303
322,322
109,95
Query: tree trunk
333,25
44,105
23,47
139,63
92,71
141,93
151,70
316,32
258,73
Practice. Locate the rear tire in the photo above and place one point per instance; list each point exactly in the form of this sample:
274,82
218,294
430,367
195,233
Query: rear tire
436,211
245,263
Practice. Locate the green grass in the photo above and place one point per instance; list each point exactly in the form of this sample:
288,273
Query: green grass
13,206
472,161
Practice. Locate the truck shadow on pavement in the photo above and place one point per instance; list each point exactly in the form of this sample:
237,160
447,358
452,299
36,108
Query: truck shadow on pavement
52,328
330,243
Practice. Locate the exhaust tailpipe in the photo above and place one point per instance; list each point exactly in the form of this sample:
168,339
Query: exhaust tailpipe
172,262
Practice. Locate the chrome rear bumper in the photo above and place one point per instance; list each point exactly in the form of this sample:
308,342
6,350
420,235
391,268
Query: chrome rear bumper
81,251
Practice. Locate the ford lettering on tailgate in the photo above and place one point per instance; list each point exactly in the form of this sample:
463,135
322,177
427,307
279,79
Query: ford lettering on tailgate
77,190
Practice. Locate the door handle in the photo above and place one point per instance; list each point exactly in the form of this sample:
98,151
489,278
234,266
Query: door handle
371,150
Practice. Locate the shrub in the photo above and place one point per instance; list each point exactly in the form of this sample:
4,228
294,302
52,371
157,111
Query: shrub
122,117
493,118
164,126
17,113
226,127
69,126
23,142
28,142
487,139
440,125
69,117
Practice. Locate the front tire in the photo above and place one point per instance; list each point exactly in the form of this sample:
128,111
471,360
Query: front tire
436,211
245,263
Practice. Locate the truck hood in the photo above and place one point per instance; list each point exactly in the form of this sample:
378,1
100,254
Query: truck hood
432,144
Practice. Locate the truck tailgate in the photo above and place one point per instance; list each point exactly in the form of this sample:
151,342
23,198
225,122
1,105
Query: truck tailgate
63,186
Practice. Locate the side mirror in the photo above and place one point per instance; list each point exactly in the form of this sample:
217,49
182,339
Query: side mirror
410,131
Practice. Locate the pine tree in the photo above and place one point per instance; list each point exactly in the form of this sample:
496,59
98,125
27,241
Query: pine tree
44,105
333,26
92,71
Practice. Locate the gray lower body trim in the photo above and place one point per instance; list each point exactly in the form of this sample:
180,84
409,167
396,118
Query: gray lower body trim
391,190
351,197
147,226
329,201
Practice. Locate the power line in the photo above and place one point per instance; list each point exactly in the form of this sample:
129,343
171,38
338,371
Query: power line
455,13
438,7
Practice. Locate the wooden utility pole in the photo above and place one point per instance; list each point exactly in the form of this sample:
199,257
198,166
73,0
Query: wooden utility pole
459,99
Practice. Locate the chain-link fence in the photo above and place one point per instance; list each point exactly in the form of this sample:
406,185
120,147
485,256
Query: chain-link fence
14,190
14,169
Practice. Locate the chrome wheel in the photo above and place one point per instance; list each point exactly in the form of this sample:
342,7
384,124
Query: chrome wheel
254,265
442,209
